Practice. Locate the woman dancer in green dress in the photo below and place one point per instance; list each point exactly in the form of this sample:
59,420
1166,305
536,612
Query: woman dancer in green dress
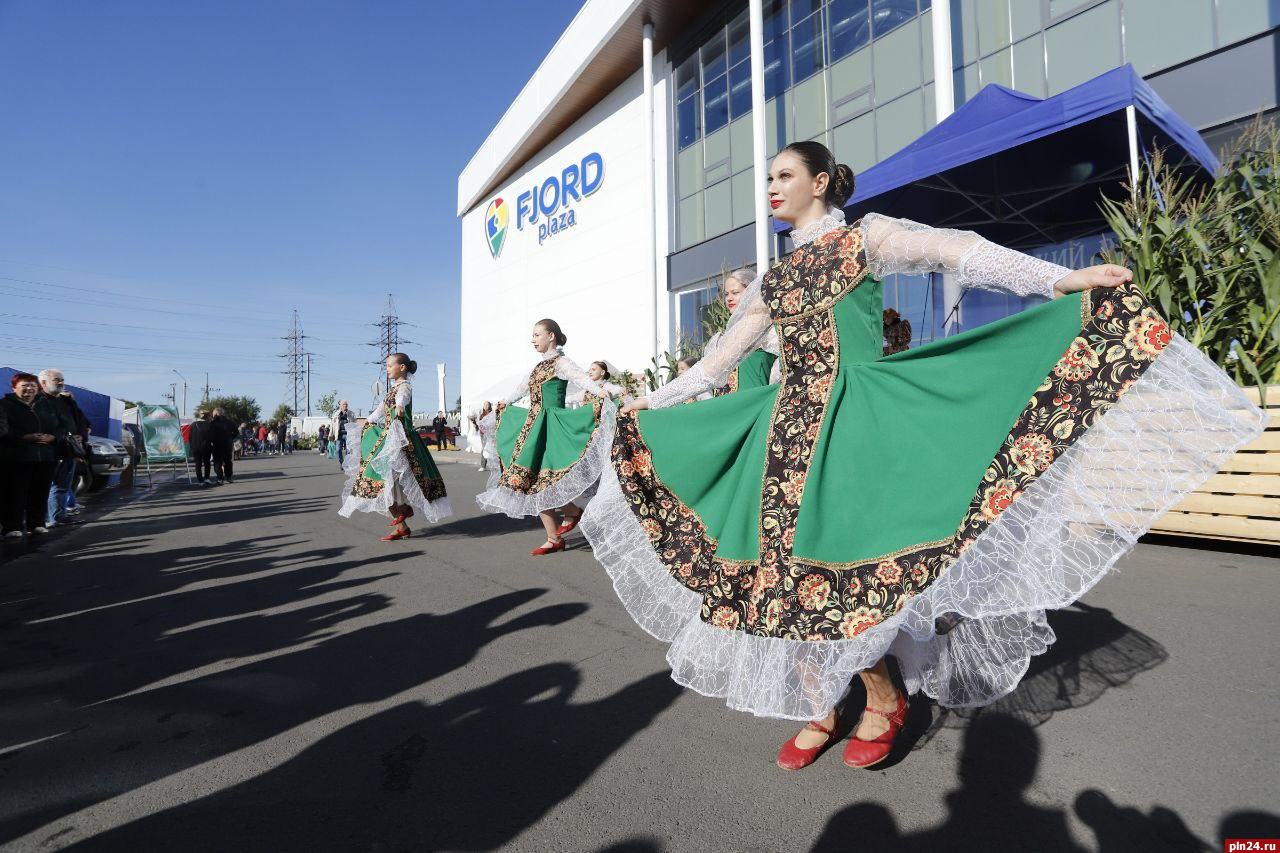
760,367
394,472
549,455
869,503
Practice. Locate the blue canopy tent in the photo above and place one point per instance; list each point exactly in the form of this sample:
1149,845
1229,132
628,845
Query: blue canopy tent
1027,172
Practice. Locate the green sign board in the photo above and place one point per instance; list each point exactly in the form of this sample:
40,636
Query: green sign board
162,434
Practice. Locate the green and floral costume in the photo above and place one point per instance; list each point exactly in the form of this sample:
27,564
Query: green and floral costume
394,467
785,537
548,454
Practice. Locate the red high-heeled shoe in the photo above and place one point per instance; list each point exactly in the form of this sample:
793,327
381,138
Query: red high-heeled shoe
555,546
869,753
397,521
792,757
399,534
570,522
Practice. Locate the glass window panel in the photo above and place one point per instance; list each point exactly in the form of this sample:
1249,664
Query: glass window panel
850,24
965,83
811,108
739,89
687,78
1238,19
855,142
803,8
741,150
1083,47
1155,39
691,220
993,24
694,305
689,171
930,107
777,67
850,107
719,209
964,32
716,154
1028,66
997,68
851,74
899,123
688,121
776,123
716,104
926,45
713,59
806,47
740,39
1058,8
897,62
744,198
888,15
1024,18
775,18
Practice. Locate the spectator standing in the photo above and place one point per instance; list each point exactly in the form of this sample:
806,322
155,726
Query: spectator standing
28,455
342,418
202,447
441,426
224,440
322,438
71,448
262,438
486,425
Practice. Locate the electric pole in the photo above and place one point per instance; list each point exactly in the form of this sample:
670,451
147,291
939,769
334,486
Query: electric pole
389,340
294,357
308,384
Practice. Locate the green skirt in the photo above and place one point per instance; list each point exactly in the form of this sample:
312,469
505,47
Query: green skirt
393,469
547,457
784,538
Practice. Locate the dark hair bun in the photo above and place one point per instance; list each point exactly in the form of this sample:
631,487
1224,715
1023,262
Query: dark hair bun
841,186
412,365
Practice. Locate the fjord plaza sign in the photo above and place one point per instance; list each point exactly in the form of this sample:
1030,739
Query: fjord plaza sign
550,205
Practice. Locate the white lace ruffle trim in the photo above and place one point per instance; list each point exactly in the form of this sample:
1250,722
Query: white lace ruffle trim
1173,429
580,479
392,465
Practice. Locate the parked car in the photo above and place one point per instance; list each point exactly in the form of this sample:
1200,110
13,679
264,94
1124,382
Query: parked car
106,457
428,434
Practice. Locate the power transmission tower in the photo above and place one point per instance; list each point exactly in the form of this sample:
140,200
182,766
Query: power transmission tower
389,340
296,363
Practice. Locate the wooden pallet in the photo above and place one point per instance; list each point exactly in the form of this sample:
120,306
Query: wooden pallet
1242,502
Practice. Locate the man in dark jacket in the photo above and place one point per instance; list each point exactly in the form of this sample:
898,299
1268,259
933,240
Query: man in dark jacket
202,447
441,426
224,439
72,448
28,455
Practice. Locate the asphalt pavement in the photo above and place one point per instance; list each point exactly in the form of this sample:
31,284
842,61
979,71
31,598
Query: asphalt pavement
240,669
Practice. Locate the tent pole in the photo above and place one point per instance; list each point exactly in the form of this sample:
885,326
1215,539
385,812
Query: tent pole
944,99
1131,120
650,186
757,135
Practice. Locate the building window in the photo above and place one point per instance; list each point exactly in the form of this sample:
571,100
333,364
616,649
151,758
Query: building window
888,15
692,305
850,24
806,47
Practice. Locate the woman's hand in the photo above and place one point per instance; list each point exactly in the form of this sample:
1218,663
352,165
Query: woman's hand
636,405
399,411
1103,275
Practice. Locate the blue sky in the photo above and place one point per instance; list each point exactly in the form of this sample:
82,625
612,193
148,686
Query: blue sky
177,177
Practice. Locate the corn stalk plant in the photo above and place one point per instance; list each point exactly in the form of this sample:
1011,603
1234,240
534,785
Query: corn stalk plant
1208,256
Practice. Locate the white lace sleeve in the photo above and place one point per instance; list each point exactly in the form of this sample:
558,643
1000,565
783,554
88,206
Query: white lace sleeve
519,392
567,370
375,417
747,330
903,246
404,394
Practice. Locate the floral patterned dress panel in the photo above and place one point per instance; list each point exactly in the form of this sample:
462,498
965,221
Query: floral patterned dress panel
514,476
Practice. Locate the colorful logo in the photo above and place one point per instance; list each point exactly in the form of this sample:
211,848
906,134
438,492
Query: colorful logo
495,225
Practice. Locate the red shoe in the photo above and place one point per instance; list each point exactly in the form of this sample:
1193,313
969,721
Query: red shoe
570,522
545,549
868,753
397,521
399,534
792,757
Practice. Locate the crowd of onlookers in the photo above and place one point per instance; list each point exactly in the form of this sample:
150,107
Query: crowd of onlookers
266,438
43,437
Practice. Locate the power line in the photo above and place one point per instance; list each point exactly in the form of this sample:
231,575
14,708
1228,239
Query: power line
389,340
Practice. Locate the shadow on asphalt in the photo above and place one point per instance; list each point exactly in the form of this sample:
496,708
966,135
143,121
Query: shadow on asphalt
468,773
998,763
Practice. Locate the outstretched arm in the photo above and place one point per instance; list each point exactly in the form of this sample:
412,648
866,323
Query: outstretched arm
747,329
569,371
902,246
